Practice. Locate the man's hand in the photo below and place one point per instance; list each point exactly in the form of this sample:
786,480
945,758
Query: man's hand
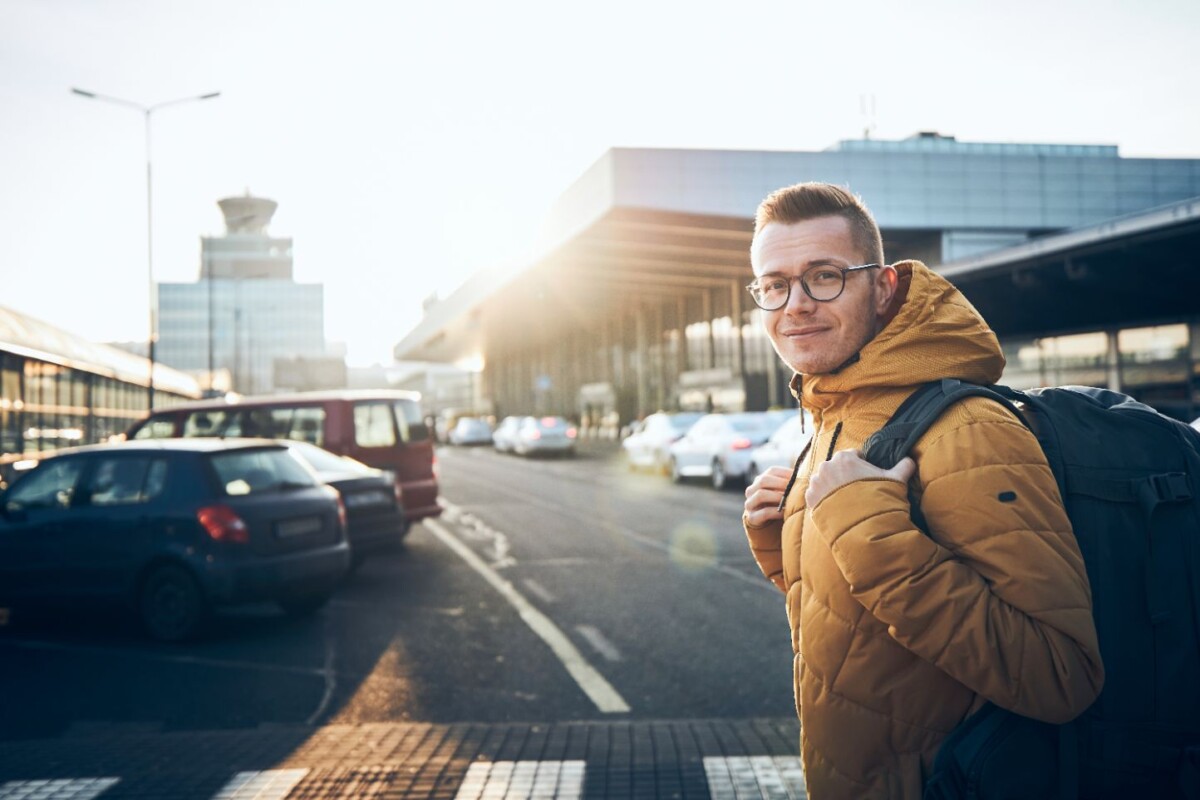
847,466
764,494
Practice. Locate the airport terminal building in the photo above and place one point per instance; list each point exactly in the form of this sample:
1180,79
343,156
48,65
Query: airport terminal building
1083,261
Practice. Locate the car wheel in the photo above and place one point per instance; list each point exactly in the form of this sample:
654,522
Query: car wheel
171,605
673,470
301,605
719,479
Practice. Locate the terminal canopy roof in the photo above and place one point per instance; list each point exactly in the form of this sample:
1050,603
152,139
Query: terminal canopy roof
667,233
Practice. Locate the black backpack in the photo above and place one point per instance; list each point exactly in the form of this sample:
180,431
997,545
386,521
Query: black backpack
1129,478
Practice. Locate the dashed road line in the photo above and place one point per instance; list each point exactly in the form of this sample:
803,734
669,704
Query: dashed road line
602,694
598,642
542,592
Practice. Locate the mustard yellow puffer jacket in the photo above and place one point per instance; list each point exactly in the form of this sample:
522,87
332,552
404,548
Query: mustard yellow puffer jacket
898,635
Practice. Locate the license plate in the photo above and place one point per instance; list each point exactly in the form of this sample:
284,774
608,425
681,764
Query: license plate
360,499
298,527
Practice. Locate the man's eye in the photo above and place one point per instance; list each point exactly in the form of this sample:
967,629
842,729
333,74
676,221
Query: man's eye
824,276
775,285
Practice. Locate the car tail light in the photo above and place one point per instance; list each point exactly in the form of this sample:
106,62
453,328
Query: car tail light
222,524
433,465
533,435
398,491
341,506
741,444
341,512
572,433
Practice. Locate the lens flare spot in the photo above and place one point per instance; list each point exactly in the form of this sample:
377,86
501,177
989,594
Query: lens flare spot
693,547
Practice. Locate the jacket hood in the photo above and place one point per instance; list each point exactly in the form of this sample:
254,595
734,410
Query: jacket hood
934,333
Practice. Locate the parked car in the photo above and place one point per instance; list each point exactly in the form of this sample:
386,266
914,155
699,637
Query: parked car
504,438
374,505
545,435
471,431
648,448
718,447
382,429
172,529
783,447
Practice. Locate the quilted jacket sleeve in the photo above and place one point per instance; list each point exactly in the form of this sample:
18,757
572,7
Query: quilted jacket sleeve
767,550
996,595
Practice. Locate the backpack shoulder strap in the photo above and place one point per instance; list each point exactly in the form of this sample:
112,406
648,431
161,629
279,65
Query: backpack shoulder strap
895,440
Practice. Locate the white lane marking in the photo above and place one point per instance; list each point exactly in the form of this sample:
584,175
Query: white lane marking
757,777
598,642
269,784
330,674
65,789
477,530
755,580
541,591
606,699
519,780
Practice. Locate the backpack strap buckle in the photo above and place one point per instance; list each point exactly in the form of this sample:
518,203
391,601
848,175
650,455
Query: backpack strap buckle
1171,487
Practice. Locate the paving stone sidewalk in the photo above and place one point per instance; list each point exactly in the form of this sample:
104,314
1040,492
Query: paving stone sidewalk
722,759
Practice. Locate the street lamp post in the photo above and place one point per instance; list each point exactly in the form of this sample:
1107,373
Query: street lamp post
146,112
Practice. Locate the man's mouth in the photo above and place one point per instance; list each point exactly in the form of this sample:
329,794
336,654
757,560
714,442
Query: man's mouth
801,333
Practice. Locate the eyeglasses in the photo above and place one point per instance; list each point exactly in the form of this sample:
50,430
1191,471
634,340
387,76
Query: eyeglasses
824,283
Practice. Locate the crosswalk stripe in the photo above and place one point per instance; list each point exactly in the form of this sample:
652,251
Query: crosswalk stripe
58,789
755,777
519,780
269,784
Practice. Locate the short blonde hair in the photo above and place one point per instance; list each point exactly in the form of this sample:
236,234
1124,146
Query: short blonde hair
805,201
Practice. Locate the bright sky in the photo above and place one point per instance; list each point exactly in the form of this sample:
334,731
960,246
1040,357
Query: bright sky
409,144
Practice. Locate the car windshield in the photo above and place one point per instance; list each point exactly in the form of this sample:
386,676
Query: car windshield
681,422
750,423
243,472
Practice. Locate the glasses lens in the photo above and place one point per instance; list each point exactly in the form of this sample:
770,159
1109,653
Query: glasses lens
824,283
770,293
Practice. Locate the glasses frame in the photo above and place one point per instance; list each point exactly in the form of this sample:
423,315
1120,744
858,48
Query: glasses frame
750,287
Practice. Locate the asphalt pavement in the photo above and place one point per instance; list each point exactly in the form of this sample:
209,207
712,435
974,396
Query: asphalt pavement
566,629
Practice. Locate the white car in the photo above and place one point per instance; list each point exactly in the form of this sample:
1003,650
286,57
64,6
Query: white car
647,449
718,447
784,446
545,435
471,430
504,438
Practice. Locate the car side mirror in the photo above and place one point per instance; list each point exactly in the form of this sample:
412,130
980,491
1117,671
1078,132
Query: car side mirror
418,431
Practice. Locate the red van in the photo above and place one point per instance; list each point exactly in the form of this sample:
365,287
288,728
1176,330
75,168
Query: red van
382,429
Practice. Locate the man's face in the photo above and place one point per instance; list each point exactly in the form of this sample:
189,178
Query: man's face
815,337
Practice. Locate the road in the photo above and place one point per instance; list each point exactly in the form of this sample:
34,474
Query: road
552,591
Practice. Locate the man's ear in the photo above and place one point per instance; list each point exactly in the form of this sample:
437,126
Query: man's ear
886,284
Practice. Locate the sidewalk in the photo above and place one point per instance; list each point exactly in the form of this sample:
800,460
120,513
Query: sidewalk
723,759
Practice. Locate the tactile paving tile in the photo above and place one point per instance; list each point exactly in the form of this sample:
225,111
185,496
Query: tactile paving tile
523,780
755,778
63,789
270,784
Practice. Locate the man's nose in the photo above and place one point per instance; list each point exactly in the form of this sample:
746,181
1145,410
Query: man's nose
798,300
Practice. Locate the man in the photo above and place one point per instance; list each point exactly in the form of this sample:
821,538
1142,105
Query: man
898,634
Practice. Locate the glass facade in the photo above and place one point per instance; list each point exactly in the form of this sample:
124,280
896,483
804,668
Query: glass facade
45,406
241,326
